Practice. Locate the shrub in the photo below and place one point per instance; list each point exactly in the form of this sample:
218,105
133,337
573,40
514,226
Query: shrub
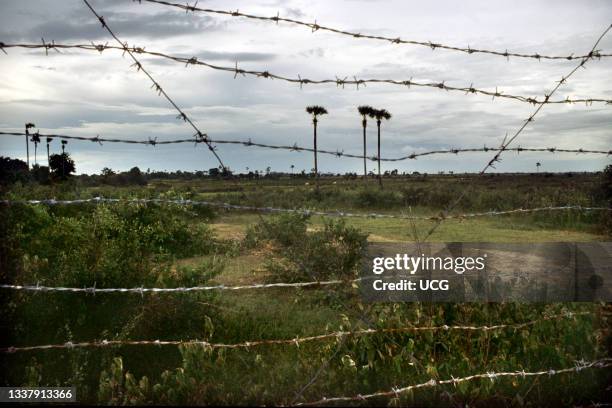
333,252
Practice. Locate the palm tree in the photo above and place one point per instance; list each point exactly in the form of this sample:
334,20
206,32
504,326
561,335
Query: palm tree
292,167
36,140
379,115
316,111
364,111
28,126
538,164
49,140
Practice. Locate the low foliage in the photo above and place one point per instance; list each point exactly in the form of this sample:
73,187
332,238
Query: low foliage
333,252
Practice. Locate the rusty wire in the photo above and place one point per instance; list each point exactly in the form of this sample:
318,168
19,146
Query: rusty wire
296,148
396,391
338,80
303,211
297,340
315,26
158,88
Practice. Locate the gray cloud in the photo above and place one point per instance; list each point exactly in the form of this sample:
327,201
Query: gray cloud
89,93
82,27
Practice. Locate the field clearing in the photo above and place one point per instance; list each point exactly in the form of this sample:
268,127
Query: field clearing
495,229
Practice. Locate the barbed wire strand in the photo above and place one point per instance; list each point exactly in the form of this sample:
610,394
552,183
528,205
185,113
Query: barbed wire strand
158,88
142,290
507,141
295,147
308,212
297,340
339,81
315,26
580,365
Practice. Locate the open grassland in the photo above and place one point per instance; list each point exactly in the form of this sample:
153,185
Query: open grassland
133,245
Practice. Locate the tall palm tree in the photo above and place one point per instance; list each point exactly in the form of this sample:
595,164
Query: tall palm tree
316,111
49,140
364,111
28,126
538,164
36,140
379,115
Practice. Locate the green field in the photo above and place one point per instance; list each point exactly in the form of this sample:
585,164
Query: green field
166,245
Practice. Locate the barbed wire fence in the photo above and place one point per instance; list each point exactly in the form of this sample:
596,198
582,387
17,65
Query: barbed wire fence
396,392
339,81
314,27
296,148
337,335
305,211
507,141
158,88
200,137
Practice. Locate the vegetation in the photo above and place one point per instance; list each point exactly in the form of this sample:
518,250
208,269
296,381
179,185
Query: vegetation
365,111
133,245
379,115
316,111
61,165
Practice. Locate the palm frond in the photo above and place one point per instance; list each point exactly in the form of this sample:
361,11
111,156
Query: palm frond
380,114
365,110
316,110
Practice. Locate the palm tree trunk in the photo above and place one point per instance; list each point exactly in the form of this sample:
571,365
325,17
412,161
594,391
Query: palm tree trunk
379,176
48,161
365,167
314,122
27,134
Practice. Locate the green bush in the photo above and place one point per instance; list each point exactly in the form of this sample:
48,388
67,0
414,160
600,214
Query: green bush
332,252
109,245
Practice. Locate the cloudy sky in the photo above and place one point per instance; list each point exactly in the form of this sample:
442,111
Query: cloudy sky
86,93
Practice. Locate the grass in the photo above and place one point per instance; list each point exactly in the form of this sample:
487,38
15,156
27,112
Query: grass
276,374
485,229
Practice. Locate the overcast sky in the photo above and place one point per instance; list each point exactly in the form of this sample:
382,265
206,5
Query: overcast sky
86,93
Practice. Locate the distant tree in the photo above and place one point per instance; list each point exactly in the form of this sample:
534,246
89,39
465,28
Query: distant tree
292,167
538,164
365,111
316,111
604,192
107,171
214,172
61,166
379,115
40,173
135,176
12,170
107,175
